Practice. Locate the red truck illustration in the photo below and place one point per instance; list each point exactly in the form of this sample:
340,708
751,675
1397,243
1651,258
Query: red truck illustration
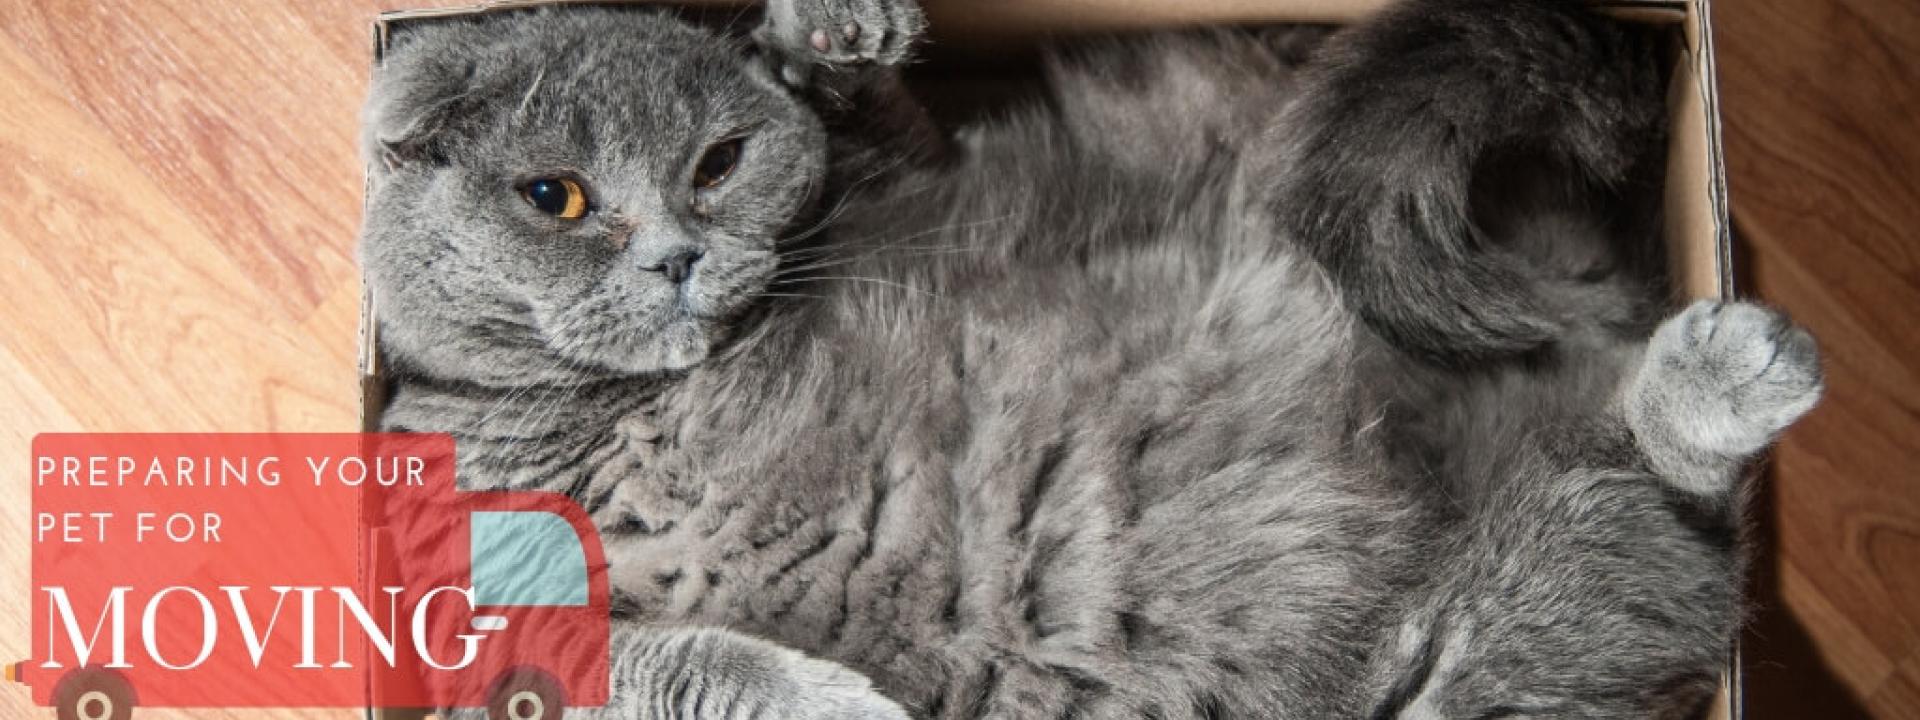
304,570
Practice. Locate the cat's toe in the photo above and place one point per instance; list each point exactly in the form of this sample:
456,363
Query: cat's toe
829,690
1720,380
1748,369
885,32
846,32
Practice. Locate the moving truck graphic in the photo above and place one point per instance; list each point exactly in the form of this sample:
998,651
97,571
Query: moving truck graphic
285,570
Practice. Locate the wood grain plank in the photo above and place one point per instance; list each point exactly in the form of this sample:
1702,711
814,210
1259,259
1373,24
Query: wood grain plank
1899,696
1820,97
242,116
117,301
123,310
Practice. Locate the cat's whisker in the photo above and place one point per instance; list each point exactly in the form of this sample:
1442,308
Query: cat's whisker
501,405
807,254
512,434
536,409
833,214
905,251
840,206
950,227
816,228
561,363
534,87
909,252
858,278
571,390
866,245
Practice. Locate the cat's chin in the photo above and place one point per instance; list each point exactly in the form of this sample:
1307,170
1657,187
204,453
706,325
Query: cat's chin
680,344
683,358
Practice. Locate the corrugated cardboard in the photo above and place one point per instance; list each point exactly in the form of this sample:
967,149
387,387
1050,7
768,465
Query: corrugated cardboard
1697,230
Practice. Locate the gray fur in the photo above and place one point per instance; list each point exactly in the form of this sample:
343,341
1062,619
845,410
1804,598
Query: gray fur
1063,420
1721,381
1375,172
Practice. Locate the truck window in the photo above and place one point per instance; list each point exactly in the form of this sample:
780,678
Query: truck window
527,558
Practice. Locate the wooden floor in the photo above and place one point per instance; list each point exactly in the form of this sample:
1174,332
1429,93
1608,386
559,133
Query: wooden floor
1821,99
176,253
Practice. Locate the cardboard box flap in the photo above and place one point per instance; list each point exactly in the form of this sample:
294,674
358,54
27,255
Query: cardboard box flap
989,18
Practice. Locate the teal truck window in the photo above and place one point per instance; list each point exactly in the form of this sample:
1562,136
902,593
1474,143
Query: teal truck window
527,558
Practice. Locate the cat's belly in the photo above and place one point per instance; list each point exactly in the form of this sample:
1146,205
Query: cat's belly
1078,560
1169,505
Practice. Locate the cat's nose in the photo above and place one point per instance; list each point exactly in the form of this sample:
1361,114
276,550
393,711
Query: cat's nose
676,263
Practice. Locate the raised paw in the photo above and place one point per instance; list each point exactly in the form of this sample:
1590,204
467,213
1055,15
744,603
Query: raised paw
1719,382
805,34
716,674
830,691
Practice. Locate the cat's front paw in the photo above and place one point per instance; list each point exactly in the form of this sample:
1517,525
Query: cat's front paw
827,690
806,34
716,674
1719,382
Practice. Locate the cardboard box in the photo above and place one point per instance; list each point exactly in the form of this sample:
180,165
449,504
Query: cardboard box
1697,230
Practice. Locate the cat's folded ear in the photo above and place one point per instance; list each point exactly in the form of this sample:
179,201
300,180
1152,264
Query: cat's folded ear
416,94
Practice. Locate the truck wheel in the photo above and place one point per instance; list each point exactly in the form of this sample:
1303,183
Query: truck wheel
93,694
525,694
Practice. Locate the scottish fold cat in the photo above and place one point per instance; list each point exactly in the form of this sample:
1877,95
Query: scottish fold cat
1210,385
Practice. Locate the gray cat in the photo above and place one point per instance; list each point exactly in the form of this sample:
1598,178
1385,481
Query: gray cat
1190,392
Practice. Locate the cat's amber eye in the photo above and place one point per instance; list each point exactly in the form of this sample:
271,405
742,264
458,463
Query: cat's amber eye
717,164
560,197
